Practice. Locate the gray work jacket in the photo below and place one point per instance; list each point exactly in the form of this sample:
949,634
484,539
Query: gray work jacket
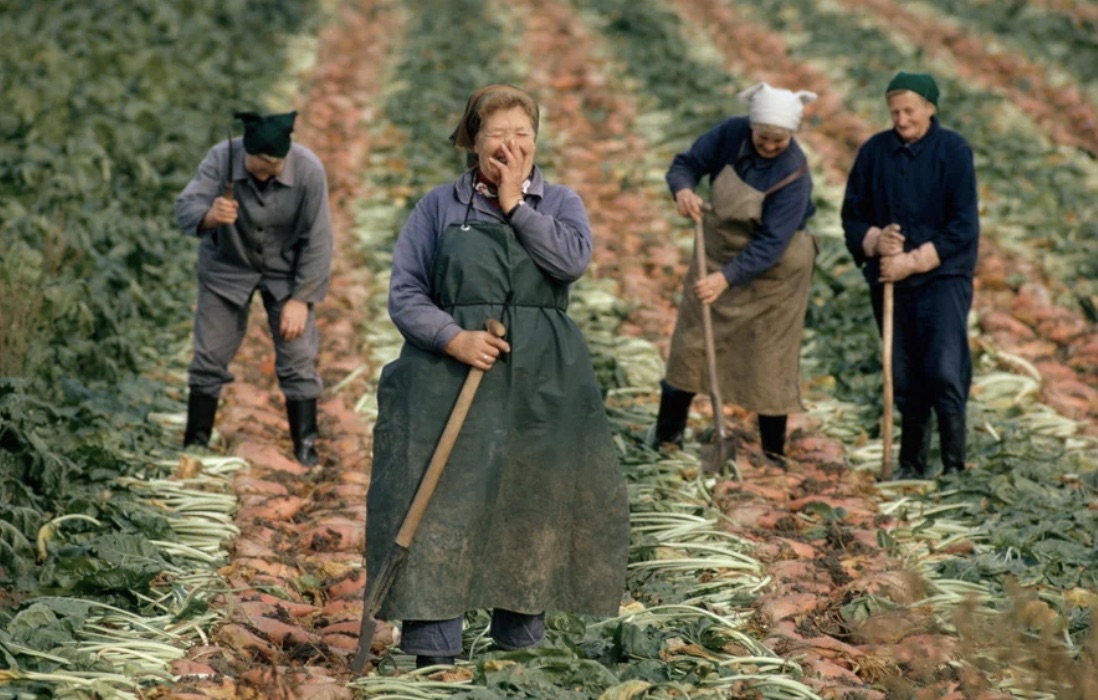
282,238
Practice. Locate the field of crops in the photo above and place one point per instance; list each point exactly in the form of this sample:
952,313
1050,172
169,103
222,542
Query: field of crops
130,570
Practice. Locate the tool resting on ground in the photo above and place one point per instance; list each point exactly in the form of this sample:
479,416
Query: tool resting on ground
378,587
719,455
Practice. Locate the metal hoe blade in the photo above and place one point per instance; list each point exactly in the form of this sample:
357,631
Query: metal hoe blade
719,456
376,591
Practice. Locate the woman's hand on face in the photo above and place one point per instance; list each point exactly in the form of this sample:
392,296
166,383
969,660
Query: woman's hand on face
710,287
478,349
512,173
689,204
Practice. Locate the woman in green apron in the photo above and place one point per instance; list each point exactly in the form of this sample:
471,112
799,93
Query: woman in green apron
760,260
531,511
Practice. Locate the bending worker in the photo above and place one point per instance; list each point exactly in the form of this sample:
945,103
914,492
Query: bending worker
270,233
759,268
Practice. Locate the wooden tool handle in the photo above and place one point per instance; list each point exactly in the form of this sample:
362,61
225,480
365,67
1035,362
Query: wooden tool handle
886,365
228,192
707,332
444,447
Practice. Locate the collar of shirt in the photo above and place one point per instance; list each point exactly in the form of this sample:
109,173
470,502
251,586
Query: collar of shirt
240,173
465,184
748,158
286,177
898,144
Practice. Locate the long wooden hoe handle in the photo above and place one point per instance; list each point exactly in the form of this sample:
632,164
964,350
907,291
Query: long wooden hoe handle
445,446
383,578
707,333
886,364
227,193
724,449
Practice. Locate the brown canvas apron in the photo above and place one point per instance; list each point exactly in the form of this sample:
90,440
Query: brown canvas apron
757,326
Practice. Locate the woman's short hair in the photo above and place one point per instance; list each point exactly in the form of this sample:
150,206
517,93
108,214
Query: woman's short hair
496,100
485,101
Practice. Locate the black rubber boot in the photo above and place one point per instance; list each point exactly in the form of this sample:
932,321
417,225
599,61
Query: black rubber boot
951,430
201,411
671,421
302,415
772,438
772,434
914,446
424,661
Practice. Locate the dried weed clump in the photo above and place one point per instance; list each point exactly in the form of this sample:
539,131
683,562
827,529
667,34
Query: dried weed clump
25,273
1026,646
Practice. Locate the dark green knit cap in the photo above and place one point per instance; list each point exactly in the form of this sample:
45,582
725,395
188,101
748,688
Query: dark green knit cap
268,135
919,83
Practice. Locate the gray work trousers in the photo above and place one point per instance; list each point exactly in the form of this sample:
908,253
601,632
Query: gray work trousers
219,328
509,630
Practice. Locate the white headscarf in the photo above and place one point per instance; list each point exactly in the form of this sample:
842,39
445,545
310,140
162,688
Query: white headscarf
776,106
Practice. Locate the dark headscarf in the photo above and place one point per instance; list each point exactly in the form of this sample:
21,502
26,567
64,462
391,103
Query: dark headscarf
500,96
919,83
268,135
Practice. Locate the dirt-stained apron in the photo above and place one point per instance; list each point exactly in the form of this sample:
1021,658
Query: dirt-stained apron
531,513
758,326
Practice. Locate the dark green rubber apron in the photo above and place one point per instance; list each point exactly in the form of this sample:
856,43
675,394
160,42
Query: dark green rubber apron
531,512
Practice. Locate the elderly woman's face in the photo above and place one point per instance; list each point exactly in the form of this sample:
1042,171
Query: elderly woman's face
771,143
505,130
910,114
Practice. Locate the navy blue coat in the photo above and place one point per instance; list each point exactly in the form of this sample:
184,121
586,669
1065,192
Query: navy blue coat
927,187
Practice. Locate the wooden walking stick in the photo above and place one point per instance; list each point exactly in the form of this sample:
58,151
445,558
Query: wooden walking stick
886,364
378,587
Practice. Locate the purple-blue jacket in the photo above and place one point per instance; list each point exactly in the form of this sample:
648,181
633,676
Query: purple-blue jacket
552,227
